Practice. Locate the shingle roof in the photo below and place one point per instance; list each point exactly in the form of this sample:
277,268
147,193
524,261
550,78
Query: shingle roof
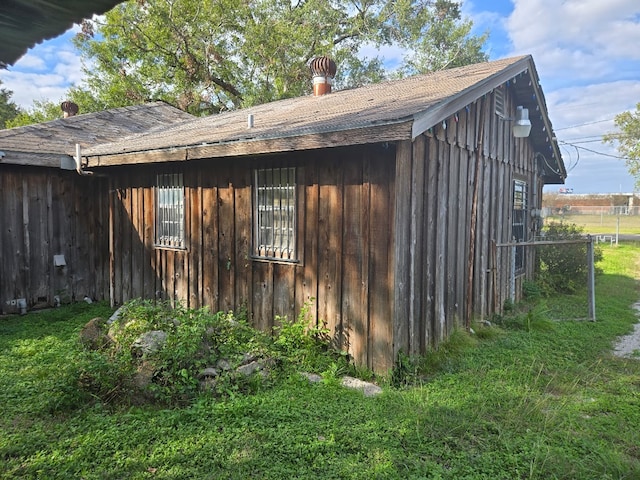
378,104
47,141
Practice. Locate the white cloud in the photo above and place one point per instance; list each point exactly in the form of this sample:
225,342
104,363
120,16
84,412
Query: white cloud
32,62
581,37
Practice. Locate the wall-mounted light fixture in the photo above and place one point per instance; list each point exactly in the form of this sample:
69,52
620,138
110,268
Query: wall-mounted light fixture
521,124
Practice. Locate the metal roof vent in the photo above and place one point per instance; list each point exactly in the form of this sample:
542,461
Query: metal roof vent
323,70
69,109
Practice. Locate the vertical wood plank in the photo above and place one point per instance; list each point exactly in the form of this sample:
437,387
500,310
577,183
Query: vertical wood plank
226,243
307,281
210,259
50,252
284,298
463,232
126,233
242,254
440,319
429,243
26,238
354,256
381,281
402,229
195,238
416,262
453,221
137,247
262,301
150,268
330,225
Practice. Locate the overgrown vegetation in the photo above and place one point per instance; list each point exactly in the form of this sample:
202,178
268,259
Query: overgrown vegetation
198,352
518,402
563,268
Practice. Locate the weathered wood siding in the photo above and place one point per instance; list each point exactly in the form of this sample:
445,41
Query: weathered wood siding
344,272
437,177
46,212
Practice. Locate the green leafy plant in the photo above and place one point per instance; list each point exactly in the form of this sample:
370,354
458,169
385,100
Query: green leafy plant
563,268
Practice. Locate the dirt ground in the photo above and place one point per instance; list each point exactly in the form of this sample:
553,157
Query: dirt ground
629,345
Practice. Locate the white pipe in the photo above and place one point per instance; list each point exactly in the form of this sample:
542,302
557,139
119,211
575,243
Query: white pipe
78,159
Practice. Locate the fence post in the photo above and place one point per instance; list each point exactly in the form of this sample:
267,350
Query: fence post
512,276
591,289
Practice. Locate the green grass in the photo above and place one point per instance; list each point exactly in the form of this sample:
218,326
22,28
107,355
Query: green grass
602,224
525,403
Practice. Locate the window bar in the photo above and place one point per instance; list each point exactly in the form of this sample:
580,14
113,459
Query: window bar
279,243
288,213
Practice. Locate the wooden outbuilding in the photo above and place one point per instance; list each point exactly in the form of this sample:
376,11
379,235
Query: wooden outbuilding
54,222
378,208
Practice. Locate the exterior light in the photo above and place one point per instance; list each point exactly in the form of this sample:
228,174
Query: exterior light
521,124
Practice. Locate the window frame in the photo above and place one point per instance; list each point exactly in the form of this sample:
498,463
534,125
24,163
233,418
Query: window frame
169,228
519,221
270,242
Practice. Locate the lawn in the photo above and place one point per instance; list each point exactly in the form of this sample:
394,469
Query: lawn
602,224
546,401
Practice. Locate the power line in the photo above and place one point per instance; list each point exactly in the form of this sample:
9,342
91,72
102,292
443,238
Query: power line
583,124
594,151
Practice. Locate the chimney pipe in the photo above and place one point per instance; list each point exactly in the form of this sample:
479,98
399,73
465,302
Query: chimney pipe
69,109
323,70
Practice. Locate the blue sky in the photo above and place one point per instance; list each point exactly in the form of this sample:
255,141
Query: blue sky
586,52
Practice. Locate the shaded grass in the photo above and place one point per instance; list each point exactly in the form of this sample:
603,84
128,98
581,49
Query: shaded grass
538,403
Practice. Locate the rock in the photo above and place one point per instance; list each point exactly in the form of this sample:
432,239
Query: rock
248,358
312,377
116,315
148,343
249,368
209,372
144,375
223,364
94,334
369,389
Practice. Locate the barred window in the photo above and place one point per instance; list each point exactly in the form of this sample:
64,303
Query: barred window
275,213
170,210
519,222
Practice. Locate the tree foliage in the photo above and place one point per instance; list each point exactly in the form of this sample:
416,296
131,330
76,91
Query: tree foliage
41,111
206,57
8,109
627,140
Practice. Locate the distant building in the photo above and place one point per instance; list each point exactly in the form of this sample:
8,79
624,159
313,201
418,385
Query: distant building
565,202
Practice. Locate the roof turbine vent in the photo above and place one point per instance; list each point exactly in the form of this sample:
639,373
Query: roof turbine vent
323,70
69,109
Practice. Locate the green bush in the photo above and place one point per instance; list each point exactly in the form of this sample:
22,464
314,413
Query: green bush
563,268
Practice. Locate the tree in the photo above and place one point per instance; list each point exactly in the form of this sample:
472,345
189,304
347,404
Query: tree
8,109
41,111
628,140
206,57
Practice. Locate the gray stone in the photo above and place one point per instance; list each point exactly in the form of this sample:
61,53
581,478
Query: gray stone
369,389
247,358
116,315
312,377
149,343
209,372
223,364
249,368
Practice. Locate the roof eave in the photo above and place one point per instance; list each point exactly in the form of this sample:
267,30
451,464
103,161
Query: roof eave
384,132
